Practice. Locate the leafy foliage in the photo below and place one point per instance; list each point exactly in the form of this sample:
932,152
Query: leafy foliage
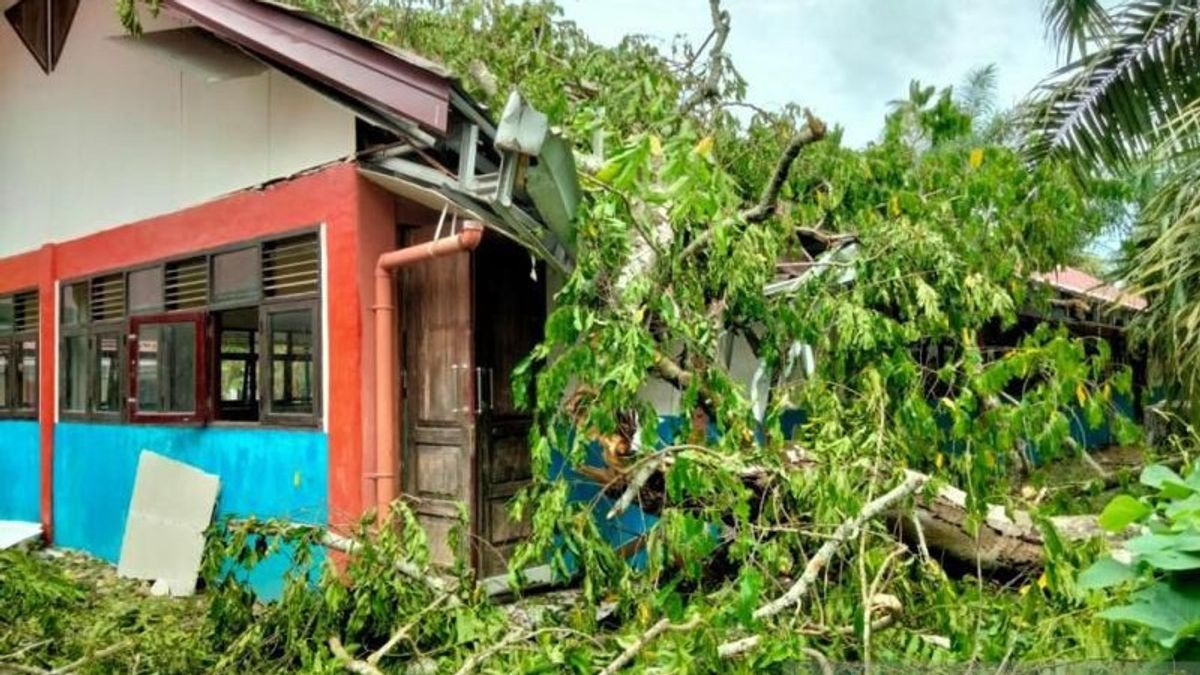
1159,562
922,243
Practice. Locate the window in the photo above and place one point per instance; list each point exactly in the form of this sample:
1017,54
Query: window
291,362
237,350
18,354
166,374
226,336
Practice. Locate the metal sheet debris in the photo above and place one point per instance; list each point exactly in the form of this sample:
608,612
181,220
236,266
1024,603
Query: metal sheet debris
172,505
17,532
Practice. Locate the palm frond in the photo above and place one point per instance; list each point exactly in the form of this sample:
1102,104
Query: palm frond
1164,267
977,93
1074,24
1108,106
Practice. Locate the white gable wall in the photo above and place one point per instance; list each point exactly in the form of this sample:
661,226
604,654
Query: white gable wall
117,134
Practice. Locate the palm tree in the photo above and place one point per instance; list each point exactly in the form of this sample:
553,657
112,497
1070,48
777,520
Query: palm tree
1127,104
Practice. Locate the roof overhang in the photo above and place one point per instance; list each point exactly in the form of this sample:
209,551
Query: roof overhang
337,60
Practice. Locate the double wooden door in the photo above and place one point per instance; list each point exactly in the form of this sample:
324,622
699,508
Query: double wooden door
467,321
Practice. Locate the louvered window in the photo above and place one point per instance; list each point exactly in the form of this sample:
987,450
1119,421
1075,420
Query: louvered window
291,267
108,298
25,312
185,284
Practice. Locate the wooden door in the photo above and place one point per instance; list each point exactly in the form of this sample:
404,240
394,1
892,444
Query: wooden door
510,313
438,465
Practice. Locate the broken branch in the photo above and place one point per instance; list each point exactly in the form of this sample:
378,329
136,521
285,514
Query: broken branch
844,532
813,131
644,639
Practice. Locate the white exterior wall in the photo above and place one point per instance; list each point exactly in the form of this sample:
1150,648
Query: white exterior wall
116,134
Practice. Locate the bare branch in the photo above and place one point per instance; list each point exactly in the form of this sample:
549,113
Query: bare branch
710,88
349,662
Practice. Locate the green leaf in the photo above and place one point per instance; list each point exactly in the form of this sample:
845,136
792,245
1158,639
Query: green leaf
1104,573
1122,511
1166,481
1170,611
749,589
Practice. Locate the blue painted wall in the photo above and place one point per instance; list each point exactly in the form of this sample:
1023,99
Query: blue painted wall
277,473
20,470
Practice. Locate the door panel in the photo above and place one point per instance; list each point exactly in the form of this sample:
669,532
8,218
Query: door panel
439,447
510,313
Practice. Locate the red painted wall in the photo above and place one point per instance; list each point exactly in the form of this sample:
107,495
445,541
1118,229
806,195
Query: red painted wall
359,224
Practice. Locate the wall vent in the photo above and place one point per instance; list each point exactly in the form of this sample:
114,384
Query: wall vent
108,297
25,312
185,284
291,267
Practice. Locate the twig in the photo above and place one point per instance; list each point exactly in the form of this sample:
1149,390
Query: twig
813,131
401,633
646,638
477,658
922,546
822,662
74,665
349,662
734,648
844,531
23,650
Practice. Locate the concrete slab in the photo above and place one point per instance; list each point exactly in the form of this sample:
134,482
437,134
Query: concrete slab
171,506
18,532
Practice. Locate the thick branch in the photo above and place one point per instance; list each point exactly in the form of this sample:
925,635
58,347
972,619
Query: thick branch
844,532
813,131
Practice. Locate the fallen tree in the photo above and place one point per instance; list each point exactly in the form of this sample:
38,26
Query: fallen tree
761,287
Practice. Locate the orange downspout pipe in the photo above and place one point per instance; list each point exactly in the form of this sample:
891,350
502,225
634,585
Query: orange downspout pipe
385,347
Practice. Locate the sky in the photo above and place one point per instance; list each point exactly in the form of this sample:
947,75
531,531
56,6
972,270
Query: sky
845,59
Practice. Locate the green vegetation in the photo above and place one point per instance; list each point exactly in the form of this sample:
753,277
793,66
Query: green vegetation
770,549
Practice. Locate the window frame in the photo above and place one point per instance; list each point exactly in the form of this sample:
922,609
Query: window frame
199,413
208,350
267,361
9,409
115,329
69,331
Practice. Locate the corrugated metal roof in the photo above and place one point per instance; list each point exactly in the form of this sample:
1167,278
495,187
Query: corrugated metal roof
1077,282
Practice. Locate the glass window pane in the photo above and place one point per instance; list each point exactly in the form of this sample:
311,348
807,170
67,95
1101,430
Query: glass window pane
237,364
26,381
149,337
108,373
6,315
6,372
74,381
166,368
292,372
180,339
146,290
74,304
235,275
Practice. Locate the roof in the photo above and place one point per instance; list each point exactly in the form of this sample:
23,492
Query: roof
397,86
1077,282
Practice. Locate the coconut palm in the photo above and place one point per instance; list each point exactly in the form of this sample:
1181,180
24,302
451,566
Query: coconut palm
1127,103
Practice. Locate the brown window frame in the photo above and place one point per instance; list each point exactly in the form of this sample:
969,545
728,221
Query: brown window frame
199,413
208,349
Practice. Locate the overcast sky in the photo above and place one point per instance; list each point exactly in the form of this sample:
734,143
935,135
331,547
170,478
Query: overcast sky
846,59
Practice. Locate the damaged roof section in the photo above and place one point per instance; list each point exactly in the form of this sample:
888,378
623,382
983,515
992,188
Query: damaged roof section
438,146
